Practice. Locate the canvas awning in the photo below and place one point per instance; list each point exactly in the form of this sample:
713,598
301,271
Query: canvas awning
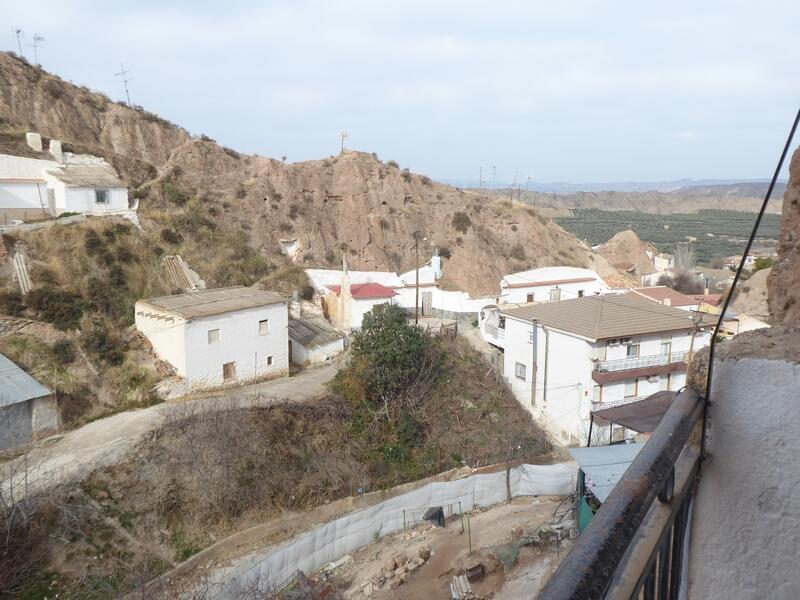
604,465
642,416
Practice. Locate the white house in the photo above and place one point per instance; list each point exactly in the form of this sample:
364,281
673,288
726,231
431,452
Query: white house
565,359
550,283
28,410
312,340
346,304
32,188
219,336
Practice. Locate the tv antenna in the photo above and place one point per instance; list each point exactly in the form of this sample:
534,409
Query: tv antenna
124,74
18,33
37,39
344,136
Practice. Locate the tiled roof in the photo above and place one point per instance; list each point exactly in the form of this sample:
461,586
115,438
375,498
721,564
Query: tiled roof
204,303
606,316
364,291
660,293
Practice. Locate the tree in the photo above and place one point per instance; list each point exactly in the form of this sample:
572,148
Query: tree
683,282
391,348
762,262
717,262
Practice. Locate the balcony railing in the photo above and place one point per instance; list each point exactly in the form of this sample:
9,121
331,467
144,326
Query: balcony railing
601,405
494,331
626,364
633,547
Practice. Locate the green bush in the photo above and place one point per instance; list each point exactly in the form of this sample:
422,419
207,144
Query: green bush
101,344
11,303
461,222
62,309
63,352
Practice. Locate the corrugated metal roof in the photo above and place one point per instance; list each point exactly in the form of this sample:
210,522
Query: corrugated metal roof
606,316
89,175
313,331
604,466
204,303
16,385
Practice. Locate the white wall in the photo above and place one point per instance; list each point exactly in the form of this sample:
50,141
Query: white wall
744,538
363,306
541,293
23,195
21,167
167,335
318,354
82,200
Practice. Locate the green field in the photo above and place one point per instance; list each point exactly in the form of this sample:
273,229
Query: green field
718,232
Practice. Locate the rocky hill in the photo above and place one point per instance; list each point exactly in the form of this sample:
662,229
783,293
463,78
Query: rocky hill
626,251
352,205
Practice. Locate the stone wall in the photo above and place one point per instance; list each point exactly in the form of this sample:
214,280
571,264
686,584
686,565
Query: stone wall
784,280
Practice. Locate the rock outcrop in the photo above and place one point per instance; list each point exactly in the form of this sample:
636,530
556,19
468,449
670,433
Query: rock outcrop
784,279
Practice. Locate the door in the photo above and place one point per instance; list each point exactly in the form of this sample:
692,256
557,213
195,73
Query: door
427,302
530,297
229,371
290,350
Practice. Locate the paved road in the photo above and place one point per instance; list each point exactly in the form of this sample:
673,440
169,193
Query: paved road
74,455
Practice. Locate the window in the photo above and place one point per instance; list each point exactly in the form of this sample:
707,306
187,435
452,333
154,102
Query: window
269,361
101,197
263,327
597,393
633,351
602,352
519,371
666,346
580,293
213,337
531,297
631,387
229,371
555,294
665,382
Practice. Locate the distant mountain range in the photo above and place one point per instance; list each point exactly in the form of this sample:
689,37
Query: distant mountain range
701,187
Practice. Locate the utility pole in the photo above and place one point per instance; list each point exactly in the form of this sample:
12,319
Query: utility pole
494,170
18,32
513,185
124,74
480,180
37,39
343,136
416,291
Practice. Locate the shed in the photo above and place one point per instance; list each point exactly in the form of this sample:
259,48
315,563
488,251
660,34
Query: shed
28,410
313,340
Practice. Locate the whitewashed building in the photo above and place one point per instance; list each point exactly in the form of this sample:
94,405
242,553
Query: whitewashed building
312,340
33,189
219,336
564,359
668,297
550,283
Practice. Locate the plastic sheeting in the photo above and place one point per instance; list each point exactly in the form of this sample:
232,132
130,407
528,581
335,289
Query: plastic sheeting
341,536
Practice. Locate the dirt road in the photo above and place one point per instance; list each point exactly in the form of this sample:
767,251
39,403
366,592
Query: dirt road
72,456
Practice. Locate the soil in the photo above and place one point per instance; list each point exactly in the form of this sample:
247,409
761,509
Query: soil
491,530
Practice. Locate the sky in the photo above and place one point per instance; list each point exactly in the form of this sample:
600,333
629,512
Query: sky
581,91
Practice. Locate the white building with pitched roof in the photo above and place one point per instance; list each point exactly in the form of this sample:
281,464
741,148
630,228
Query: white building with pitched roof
550,283
28,410
219,336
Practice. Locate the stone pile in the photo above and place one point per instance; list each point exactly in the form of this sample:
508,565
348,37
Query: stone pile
397,571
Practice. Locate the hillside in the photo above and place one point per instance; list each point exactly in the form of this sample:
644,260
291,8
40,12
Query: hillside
739,197
351,205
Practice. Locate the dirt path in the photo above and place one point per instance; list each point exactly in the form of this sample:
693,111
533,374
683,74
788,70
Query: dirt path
72,456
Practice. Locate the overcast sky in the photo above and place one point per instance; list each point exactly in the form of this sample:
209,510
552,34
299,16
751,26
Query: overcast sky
572,90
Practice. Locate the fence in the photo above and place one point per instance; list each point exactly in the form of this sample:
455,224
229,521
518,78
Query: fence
341,536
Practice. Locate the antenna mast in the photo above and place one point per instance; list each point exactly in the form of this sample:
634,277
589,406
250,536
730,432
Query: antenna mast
37,39
343,135
18,32
124,74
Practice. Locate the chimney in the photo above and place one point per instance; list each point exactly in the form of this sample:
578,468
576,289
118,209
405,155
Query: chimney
295,306
436,264
34,141
667,301
55,151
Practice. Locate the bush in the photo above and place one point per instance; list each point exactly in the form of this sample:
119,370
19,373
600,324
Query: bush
762,262
518,252
63,352
406,175
444,252
393,163
102,344
425,179
461,222
62,309
11,303
170,236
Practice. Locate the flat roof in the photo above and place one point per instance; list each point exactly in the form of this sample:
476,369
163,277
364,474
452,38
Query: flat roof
313,331
16,385
204,303
605,316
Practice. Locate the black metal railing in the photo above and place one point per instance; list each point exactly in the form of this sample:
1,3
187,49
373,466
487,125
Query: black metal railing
634,545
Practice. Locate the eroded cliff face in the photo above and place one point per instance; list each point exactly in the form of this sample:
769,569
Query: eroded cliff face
784,279
33,98
351,205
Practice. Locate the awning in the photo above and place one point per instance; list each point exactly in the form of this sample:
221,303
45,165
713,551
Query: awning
642,416
604,465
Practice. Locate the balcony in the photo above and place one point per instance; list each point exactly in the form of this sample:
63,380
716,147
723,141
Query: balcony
634,545
640,362
494,335
601,405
